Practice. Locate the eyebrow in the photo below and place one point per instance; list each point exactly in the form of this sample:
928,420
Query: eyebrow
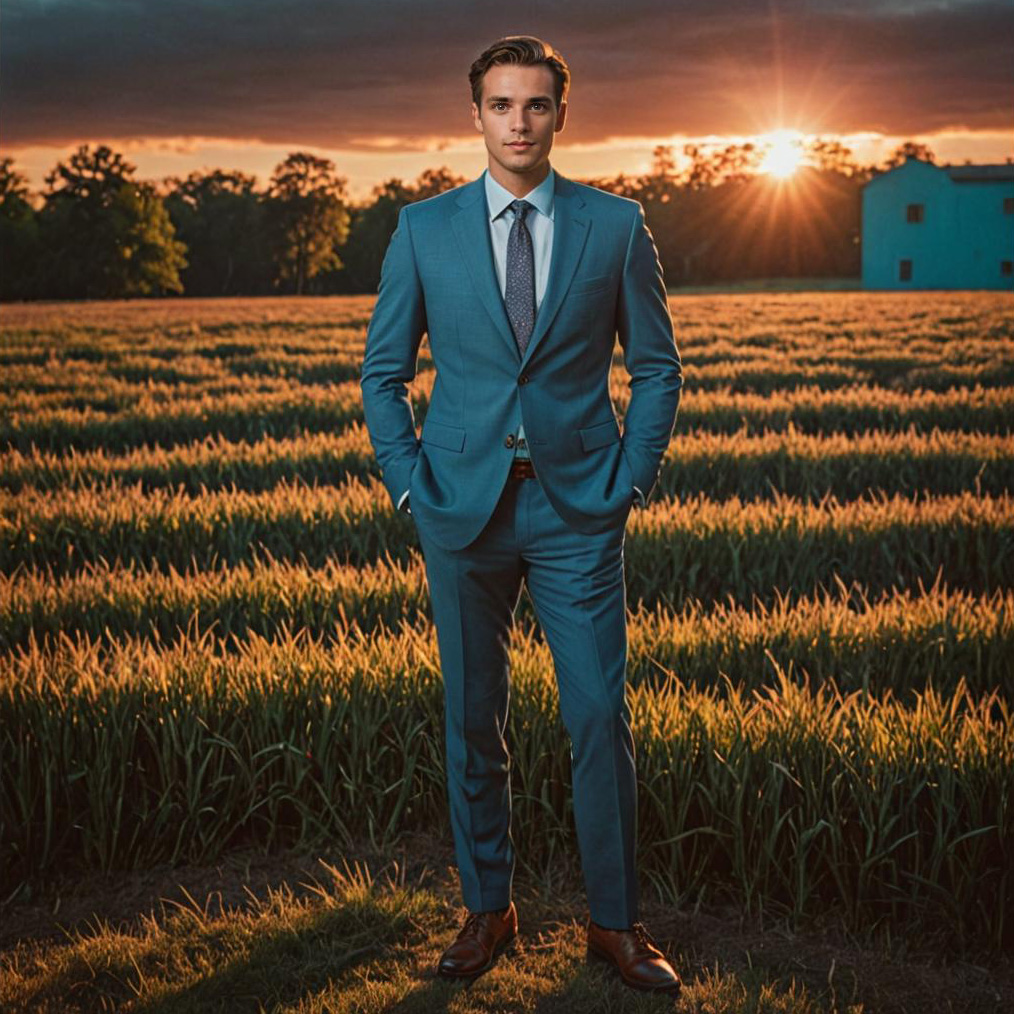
506,98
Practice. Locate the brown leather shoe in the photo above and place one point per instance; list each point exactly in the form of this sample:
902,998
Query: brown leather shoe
636,956
478,943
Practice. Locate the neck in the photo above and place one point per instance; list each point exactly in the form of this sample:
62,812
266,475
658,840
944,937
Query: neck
518,184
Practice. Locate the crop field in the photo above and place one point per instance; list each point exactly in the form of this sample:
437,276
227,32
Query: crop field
215,630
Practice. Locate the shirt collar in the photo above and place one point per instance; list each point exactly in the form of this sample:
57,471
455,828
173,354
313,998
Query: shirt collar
498,197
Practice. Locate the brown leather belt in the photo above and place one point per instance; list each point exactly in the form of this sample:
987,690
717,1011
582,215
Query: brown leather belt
522,468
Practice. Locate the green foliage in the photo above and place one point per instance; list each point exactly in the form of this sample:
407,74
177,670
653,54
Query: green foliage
214,629
220,218
803,798
308,217
19,234
110,236
303,235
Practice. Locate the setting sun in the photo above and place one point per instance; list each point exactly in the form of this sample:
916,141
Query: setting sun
784,154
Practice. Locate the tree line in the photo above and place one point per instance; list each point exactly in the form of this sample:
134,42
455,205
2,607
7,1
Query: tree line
97,232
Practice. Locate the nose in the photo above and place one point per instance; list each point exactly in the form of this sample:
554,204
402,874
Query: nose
519,123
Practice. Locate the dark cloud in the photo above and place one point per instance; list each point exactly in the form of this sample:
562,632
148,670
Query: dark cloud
342,74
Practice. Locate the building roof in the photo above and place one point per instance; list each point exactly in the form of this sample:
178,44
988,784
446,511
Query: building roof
1002,173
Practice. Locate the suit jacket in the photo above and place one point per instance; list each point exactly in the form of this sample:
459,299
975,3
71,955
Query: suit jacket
438,278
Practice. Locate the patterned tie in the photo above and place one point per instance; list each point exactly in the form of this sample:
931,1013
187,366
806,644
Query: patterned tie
520,292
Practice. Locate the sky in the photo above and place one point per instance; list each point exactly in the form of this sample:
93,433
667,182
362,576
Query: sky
381,86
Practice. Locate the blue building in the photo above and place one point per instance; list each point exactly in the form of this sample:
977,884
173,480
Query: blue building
939,227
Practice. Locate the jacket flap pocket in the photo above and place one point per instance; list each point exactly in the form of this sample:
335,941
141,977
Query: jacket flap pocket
600,434
592,283
450,437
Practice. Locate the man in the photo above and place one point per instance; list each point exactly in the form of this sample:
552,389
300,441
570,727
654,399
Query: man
522,280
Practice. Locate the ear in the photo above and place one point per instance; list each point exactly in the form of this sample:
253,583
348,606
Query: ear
561,116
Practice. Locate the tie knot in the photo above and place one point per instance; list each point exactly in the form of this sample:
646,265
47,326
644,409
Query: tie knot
520,208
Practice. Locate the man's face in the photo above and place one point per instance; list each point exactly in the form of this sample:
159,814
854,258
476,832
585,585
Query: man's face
518,105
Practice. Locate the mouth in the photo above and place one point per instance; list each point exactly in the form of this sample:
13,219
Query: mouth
520,144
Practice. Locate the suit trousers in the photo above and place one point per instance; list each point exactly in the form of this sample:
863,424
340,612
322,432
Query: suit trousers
576,583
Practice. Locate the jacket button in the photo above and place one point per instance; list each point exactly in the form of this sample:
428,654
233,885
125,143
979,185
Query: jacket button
523,379
509,440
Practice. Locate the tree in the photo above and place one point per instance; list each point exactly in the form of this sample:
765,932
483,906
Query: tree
703,170
734,163
372,226
308,217
19,234
906,150
738,163
435,181
661,183
150,258
106,235
370,231
831,156
219,216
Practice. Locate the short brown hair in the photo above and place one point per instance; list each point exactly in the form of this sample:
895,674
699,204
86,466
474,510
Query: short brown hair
525,50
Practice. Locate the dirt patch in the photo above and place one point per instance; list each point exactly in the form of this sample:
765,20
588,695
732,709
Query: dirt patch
904,980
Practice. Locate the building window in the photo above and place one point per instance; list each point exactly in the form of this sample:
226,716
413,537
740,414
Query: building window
1008,205
1007,268
914,213
904,271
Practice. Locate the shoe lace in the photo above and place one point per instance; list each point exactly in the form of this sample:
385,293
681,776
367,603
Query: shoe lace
642,934
473,922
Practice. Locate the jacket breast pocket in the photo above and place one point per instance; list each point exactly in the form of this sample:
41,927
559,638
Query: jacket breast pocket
600,435
451,438
589,286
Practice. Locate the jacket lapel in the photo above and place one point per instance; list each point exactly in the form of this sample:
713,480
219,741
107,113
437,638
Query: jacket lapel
570,233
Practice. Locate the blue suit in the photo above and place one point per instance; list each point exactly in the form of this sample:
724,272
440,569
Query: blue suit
483,533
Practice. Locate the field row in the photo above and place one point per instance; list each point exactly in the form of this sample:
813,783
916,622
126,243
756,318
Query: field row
877,808
796,339
120,386
253,415
695,548
897,643
804,465
43,358
950,323
40,388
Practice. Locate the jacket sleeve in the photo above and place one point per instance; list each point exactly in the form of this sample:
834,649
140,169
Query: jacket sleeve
393,336
645,330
